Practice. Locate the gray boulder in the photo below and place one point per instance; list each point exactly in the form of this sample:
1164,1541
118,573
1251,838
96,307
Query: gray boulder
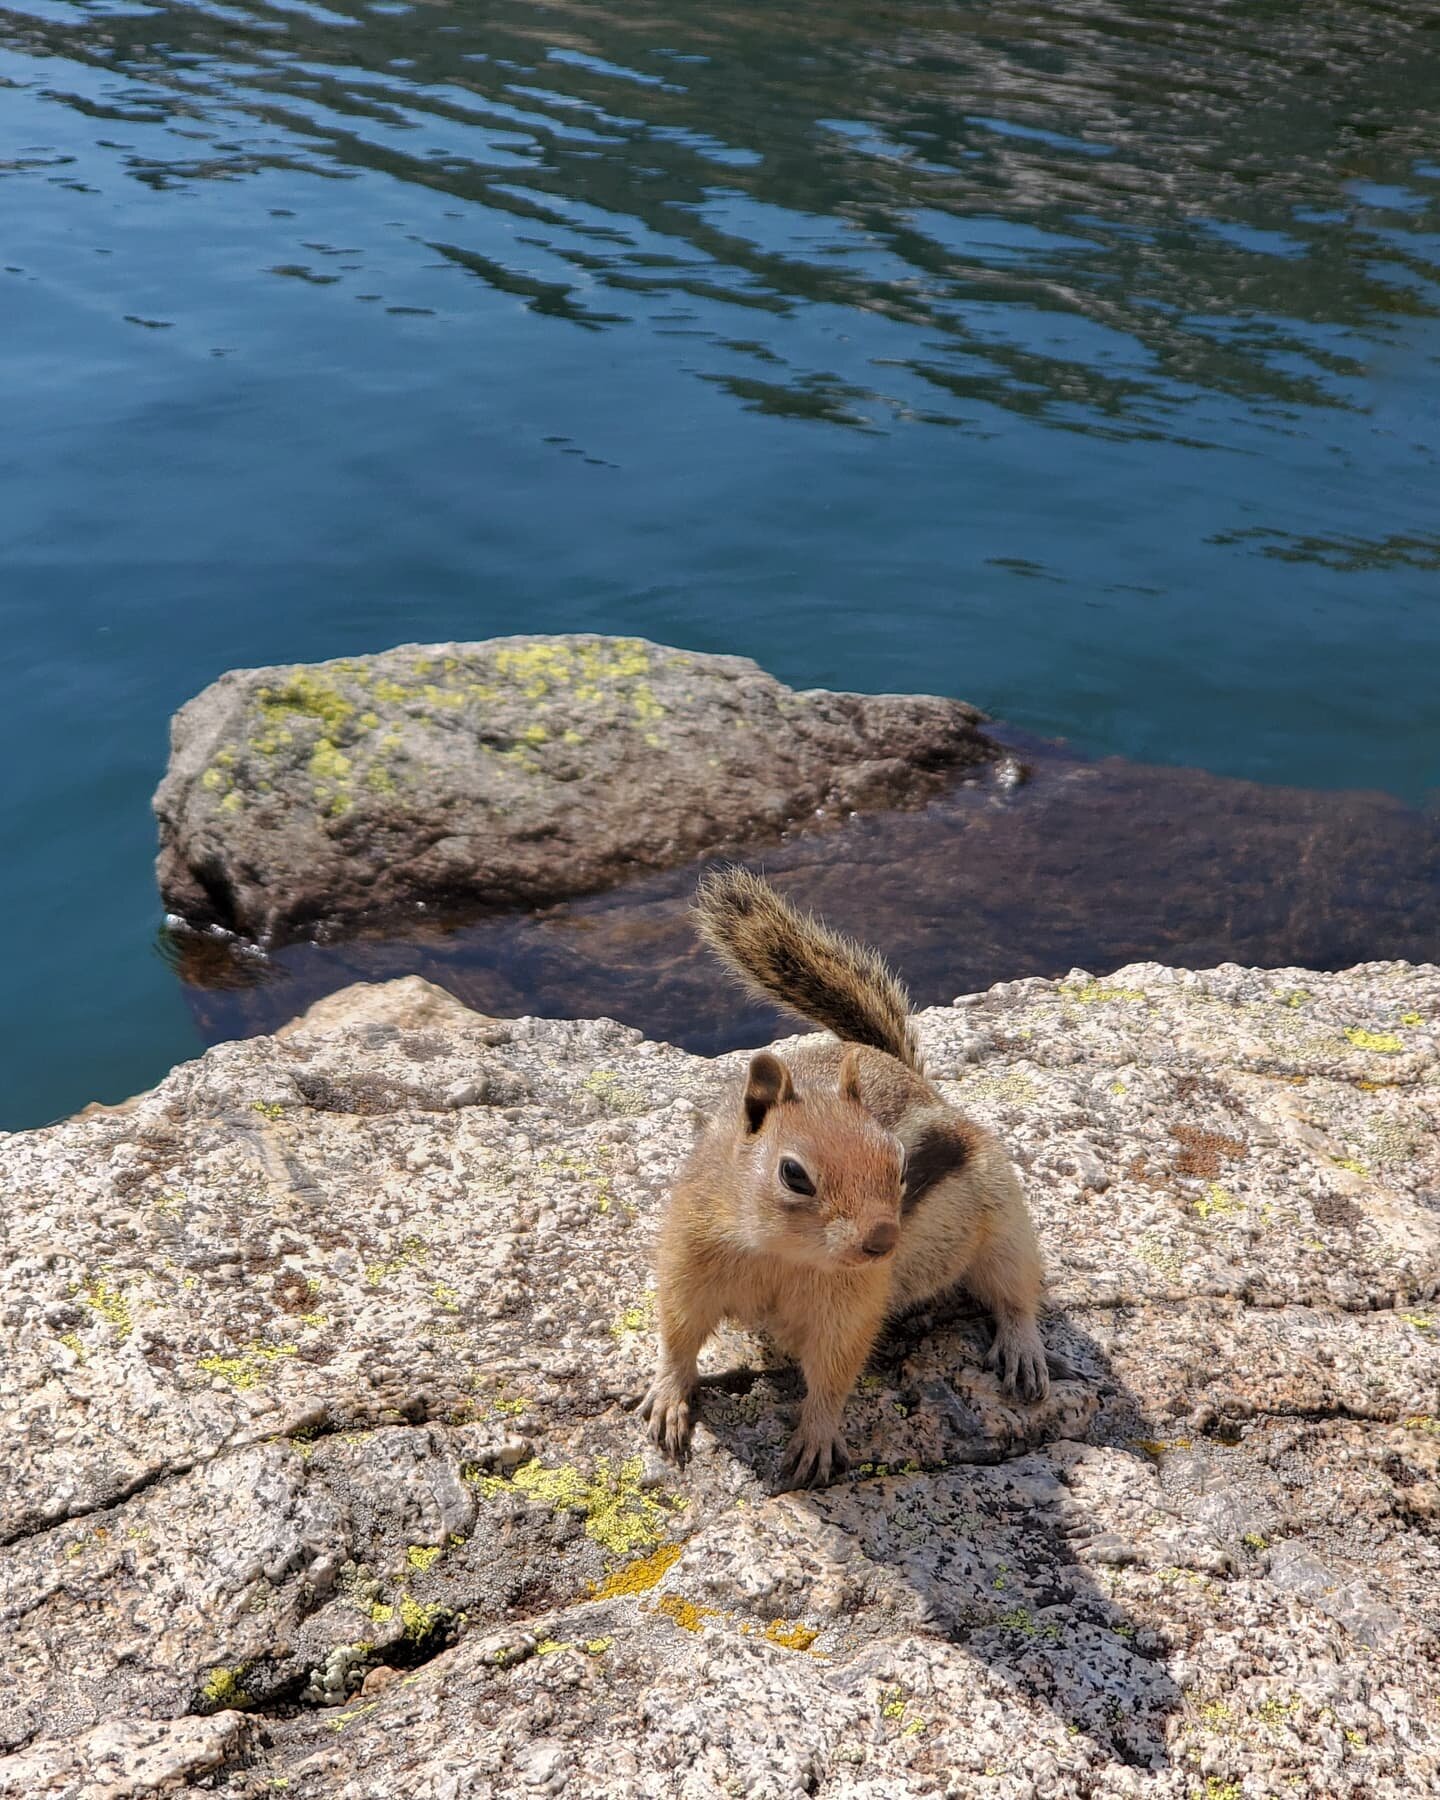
511,772
320,1478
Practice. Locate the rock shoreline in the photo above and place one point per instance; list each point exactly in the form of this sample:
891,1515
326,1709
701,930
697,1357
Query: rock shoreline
321,1479
1093,863
308,799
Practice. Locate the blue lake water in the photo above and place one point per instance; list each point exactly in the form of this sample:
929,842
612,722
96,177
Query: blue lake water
1081,360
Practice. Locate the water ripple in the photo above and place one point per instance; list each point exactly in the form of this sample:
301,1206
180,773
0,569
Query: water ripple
1101,214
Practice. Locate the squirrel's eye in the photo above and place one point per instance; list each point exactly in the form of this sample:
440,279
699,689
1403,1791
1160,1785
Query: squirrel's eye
793,1175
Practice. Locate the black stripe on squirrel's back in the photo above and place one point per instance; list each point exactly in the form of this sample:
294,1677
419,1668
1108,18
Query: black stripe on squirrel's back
782,954
941,1150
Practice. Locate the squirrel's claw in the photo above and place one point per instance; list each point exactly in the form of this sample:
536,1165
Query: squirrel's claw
813,1461
1018,1357
670,1414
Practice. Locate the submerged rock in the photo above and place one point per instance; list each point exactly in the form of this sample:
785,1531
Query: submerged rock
511,772
320,1477
1096,863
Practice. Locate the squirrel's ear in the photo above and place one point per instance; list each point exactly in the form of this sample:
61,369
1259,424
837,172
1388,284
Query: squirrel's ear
850,1077
767,1084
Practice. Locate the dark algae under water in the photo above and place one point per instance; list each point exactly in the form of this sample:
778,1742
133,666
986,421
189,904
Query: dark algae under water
1080,360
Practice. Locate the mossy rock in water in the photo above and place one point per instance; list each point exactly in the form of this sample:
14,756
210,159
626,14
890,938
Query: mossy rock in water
510,772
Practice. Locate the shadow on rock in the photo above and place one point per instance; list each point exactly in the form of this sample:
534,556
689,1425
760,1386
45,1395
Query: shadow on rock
968,1511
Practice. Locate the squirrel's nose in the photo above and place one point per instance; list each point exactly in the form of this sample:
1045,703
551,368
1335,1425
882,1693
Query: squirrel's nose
881,1239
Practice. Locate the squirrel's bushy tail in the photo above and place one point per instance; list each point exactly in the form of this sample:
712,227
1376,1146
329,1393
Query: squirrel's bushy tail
782,954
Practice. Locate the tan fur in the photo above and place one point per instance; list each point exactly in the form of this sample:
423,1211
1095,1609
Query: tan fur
821,1273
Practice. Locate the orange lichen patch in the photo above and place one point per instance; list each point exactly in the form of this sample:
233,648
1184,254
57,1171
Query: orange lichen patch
637,1577
789,1635
685,1613
1202,1152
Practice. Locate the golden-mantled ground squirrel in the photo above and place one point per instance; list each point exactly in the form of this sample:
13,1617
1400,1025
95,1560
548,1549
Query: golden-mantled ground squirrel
832,1190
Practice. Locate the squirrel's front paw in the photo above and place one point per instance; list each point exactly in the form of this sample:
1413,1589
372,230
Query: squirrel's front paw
670,1412
1018,1357
812,1458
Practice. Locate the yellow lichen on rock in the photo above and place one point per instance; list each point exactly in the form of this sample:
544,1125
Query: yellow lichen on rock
306,694
639,1317
419,1621
1217,1203
638,1577
1095,993
684,1613
223,1688
619,1514
111,1304
588,671
328,762
248,1368
612,1093
1161,1257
